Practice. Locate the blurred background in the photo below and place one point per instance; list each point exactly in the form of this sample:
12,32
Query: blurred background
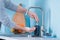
51,15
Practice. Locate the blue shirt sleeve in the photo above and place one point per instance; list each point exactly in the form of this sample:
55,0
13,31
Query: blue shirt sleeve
10,5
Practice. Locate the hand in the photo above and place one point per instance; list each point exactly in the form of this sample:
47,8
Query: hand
27,29
33,15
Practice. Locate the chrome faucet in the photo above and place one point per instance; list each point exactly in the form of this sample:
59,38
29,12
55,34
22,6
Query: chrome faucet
37,26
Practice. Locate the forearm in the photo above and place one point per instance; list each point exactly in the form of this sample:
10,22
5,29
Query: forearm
13,7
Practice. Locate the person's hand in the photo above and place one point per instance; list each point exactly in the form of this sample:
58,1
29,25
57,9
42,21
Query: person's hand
33,15
27,29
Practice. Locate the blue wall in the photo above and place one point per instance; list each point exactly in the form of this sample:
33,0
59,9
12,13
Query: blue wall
55,16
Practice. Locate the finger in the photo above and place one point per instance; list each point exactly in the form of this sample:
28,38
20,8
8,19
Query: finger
32,29
36,18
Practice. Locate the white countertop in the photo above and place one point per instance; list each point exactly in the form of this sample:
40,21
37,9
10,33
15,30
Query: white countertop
27,38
